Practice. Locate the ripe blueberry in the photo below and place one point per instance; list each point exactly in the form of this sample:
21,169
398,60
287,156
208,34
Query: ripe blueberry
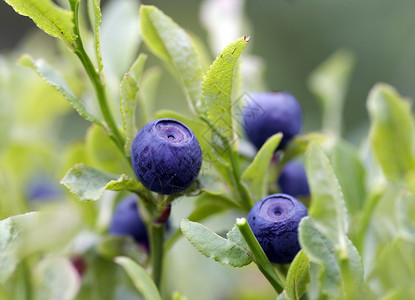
293,180
127,221
274,221
166,156
269,113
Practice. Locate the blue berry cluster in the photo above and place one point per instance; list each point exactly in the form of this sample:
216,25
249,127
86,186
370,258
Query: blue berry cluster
274,219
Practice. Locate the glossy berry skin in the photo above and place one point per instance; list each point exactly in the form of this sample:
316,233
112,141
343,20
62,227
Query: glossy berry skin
274,221
127,221
269,113
166,156
293,180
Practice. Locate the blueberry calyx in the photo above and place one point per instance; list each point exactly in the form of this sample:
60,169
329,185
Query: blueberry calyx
166,156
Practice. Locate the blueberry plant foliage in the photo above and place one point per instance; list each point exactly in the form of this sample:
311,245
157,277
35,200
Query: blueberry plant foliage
357,242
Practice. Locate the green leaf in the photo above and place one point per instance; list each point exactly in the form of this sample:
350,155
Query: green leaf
129,90
11,230
104,154
321,251
55,278
172,44
299,145
120,37
224,251
351,175
256,175
327,208
139,277
217,89
89,184
329,84
206,205
236,236
124,183
55,79
95,16
352,269
405,216
394,269
49,17
148,90
298,276
391,133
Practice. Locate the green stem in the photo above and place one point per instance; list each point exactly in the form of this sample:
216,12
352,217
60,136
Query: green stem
246,200
157,250
259,256
244,196
96,81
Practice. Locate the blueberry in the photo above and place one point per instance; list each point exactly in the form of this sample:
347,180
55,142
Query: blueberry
166,156
293,180
274,221
43,189
269,113
127,221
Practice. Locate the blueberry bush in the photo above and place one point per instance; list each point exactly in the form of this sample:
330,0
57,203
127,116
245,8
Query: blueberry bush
109,231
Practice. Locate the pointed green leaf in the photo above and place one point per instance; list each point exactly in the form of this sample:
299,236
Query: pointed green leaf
120,37
224,251
329,84
206,205
352,269
327,208
11,230
256,175
55,79
172,44
55,278
321,251
139,277
148,91
351,175
217,88
49,17
391,133
236,236
89,184
95,16
129,90
298,276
